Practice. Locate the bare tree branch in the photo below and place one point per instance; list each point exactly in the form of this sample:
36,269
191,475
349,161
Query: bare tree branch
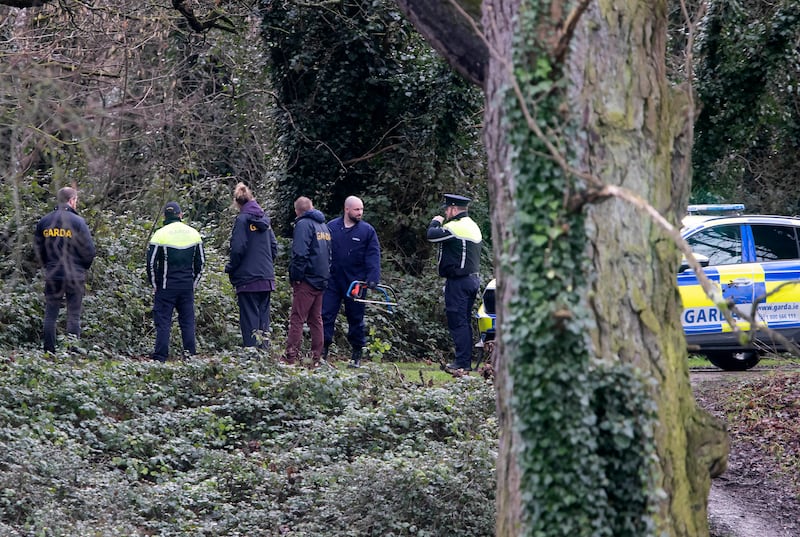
22,4
598,190
215,19
569,29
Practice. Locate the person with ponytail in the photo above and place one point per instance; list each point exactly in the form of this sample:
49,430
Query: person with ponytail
251,268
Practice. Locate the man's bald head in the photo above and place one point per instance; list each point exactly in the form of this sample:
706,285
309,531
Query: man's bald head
353,210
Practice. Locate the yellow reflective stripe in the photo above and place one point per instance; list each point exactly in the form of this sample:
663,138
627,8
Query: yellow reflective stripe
176,235
693,296
741,325
788,293
464,228
728,273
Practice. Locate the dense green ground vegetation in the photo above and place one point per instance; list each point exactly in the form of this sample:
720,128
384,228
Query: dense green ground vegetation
236,444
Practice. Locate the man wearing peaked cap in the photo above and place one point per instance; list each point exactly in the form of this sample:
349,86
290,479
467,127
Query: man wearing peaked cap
454,200
175,259
459,239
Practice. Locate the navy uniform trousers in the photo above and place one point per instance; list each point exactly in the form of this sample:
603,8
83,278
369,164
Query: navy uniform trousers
459,298
254,315
335,294
165,302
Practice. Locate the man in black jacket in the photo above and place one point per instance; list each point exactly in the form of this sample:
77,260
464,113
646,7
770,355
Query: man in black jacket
251,267
309,270
65,248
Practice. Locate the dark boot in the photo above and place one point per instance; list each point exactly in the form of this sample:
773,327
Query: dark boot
355,358
325,350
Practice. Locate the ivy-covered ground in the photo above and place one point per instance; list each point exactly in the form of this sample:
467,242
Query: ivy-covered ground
237,444
762,410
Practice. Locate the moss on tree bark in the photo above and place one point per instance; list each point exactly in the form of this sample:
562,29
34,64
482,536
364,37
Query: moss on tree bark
616,119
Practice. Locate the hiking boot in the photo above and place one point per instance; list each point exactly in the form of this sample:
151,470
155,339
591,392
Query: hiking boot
355,358
454,366
325,350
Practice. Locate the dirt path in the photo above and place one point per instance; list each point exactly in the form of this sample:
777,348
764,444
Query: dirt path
729,516
750,499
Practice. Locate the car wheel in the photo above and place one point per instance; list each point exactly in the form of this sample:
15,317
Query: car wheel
734,361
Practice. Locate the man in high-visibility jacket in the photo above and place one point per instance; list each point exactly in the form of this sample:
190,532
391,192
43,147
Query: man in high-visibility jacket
460,240
175,260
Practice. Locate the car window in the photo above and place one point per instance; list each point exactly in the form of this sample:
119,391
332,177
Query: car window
722,245
774,243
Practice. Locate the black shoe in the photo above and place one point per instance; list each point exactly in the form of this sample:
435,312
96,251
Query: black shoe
325,350
455,366
355,358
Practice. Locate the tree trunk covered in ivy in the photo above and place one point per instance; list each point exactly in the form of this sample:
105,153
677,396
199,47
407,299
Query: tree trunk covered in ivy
600,432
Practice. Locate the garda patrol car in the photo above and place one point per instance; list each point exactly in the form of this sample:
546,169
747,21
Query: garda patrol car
753,259
486,317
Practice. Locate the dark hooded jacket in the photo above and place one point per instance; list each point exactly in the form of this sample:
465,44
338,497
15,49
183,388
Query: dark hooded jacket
253,247
311,250
64,245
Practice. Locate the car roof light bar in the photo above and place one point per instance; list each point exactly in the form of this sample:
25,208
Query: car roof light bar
716,208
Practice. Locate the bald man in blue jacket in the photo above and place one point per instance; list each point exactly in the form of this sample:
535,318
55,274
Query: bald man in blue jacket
356,256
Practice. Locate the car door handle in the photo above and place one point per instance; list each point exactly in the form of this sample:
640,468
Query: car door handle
741,282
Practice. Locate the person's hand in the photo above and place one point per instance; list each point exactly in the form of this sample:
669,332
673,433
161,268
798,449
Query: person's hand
438,218
372,285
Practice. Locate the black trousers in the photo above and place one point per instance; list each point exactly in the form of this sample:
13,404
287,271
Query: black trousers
459,297
54,293
253,315
164,303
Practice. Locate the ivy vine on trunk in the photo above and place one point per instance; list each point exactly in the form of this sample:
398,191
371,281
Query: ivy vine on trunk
600,433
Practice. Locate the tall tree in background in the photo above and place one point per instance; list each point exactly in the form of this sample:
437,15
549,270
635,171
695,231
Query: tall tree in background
130,103
748,128
600,433
366,107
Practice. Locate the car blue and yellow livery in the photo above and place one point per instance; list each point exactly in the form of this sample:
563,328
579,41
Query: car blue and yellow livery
754,260
486,316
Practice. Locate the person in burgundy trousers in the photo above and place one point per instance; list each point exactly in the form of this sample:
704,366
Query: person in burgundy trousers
309,270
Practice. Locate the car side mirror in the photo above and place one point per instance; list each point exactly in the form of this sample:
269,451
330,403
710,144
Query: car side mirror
703,260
